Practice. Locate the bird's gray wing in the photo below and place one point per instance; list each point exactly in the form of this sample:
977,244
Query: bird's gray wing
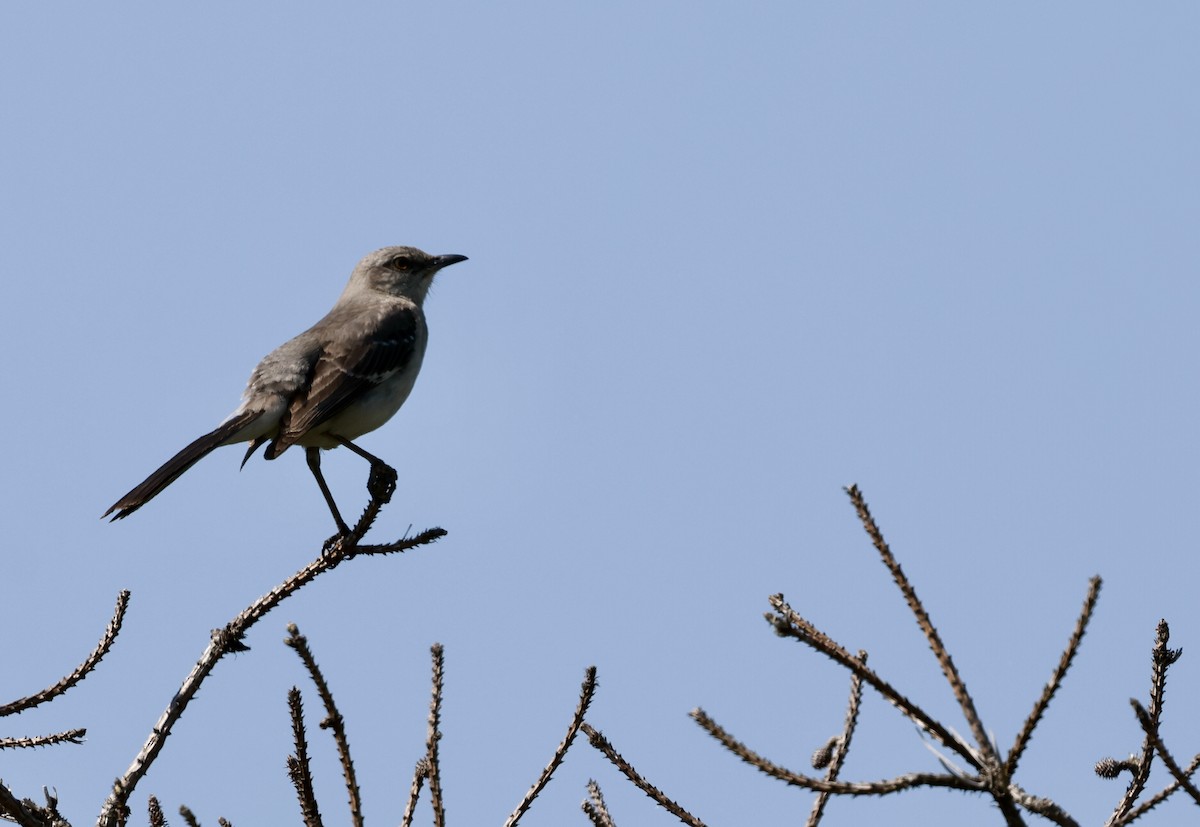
349,367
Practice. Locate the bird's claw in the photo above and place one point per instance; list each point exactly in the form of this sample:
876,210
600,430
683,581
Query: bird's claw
333,546
382,482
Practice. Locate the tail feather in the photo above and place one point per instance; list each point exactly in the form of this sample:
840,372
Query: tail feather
171,470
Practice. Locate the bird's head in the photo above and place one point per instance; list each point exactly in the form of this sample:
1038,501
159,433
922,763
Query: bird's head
400,271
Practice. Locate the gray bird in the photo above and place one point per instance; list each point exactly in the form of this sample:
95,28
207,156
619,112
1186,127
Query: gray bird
343,377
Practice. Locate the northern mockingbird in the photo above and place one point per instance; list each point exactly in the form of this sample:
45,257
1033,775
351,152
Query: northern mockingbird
343,377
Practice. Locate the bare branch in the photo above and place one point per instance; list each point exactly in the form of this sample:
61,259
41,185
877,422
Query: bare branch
595,807
1043,807
81,671
601,743
229,639
886,787
840,745
333,719
1150,727
157,819
419,774
965,702
299,770
1161,659
435,735
1152,802
586,692
25,812
1064,663
71,736
790,624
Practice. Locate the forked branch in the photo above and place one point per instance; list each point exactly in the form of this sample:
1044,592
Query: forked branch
333,719
833,756
822,785
298,767
1161,659
1150,727
788,623
229,639
429,767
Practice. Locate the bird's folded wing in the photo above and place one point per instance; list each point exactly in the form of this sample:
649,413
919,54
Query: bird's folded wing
348,368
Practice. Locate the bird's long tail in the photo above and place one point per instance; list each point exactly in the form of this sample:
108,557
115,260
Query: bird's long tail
176,465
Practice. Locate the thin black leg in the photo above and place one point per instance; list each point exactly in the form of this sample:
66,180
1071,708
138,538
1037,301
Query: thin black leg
382,482
313,455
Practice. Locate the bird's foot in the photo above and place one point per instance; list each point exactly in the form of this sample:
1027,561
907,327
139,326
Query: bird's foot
382,482
339,544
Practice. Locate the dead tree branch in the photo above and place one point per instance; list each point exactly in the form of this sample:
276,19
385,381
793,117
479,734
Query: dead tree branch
81,671
602,744
115,811
586,692
333,719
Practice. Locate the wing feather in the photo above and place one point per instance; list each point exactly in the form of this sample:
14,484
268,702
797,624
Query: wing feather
347,369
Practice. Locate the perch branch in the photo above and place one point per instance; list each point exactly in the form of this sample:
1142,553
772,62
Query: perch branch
229,639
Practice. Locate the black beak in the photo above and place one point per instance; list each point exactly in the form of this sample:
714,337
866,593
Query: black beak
446,261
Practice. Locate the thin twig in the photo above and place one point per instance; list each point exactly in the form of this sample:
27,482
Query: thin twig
1150,727
81,671
24,813
601,743
157,819
796,779
299,769
586,692
71,736
959,687
595,807
1161,659
333,719
434,736
789,623
414,792
1064,663
115,811
1161,796
1043,807
842,744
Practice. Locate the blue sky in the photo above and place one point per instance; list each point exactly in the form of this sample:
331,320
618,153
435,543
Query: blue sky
724,261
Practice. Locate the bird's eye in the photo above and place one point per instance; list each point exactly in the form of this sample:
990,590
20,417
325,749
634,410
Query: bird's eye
401,263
